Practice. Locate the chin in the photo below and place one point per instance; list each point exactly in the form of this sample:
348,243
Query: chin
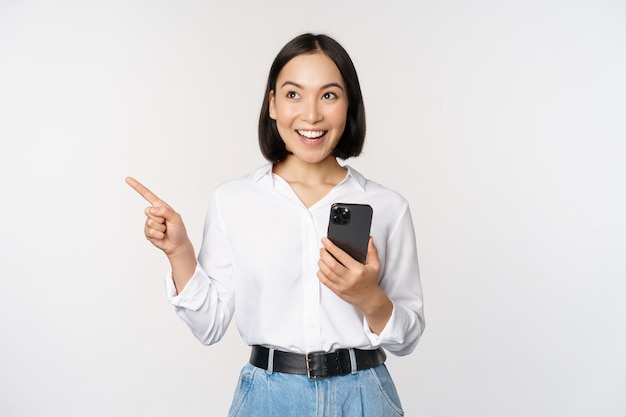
317,159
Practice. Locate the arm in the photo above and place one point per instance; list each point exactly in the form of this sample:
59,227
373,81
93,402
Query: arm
356,283
204,303
392,306
164,228
400,279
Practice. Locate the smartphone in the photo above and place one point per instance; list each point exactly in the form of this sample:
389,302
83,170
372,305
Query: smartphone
349,228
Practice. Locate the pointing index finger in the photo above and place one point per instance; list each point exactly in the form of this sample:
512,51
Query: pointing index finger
145,192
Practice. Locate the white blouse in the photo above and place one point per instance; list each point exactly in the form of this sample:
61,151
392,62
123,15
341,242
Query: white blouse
259,258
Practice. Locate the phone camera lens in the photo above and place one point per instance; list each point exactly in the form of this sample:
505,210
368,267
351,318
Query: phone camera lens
340,215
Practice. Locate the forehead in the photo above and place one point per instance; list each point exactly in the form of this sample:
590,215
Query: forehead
310,71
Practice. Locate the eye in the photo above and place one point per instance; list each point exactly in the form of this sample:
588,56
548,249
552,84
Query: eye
329,96
293,95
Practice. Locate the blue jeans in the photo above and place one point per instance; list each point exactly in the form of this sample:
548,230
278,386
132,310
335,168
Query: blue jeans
366,393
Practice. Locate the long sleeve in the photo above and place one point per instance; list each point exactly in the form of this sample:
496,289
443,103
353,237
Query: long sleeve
206,304
400,280
260,253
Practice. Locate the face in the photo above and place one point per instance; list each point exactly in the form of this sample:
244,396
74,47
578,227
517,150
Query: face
310,106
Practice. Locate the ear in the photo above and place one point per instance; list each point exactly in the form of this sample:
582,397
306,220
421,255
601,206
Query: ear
272,100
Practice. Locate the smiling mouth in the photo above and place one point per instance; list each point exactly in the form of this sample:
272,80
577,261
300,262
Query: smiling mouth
311,134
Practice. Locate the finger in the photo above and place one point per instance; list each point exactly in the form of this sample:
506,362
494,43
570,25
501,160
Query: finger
329,269
155,228
330,260
163,214
145,192
153,235
338,253
372,253
156,225
327,264
325,279
158,214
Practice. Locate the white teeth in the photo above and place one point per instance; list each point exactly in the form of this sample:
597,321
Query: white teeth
311,134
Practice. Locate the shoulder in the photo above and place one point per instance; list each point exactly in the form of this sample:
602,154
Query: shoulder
391,209
378,193
246,181
246,188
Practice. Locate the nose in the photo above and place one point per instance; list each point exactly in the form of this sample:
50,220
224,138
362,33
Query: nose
311,111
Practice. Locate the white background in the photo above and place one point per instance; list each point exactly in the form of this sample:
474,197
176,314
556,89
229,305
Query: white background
502,123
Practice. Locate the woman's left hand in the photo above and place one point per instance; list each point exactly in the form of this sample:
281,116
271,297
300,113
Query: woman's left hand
356,283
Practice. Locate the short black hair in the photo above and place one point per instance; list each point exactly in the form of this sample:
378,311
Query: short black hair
351,142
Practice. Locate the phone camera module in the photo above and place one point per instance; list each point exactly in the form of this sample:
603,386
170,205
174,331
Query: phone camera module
340,215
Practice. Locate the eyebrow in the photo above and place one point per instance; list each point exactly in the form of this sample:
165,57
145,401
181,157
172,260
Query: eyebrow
333,84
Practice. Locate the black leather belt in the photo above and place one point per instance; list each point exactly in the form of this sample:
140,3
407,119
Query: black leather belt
317,365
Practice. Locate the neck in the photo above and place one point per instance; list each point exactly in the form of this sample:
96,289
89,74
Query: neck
328,171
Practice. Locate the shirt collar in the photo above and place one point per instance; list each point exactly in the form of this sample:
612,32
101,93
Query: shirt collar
356,176
266,171
262,171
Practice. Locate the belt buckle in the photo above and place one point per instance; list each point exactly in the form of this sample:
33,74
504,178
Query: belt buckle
308,367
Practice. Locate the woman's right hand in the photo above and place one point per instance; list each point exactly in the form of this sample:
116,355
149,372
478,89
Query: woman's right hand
164,227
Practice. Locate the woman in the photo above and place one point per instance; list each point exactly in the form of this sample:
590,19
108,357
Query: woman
316,319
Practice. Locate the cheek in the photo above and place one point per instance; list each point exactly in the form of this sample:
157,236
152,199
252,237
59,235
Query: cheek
284,122
285,114
339,116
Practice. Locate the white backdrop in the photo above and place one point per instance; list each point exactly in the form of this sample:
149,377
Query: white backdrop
503,124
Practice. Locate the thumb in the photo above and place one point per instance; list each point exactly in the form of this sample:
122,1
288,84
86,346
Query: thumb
162,211
372,253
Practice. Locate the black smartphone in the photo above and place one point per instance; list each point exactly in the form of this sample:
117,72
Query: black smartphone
349,228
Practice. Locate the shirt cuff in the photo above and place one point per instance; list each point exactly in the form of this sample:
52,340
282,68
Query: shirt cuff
193,295
392,332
